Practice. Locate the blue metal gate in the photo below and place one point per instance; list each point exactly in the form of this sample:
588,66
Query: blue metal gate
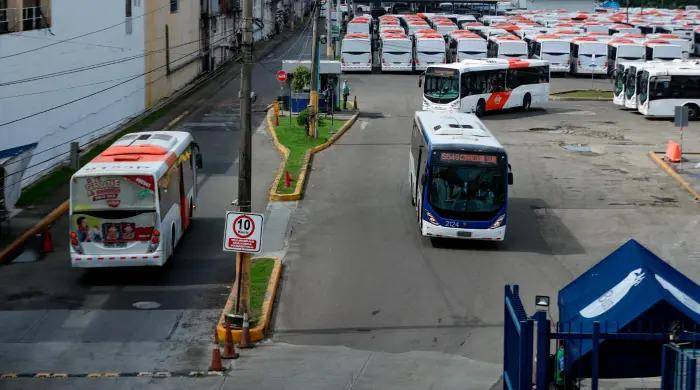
679,368
517,343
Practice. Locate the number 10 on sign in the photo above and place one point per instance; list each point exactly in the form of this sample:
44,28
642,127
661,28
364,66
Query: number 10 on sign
243,232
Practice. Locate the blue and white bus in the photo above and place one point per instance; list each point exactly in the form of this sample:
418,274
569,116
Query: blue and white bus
459,177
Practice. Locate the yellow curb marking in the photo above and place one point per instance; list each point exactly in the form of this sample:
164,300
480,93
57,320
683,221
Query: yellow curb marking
9,375
144,373
678,178
176,120
42,375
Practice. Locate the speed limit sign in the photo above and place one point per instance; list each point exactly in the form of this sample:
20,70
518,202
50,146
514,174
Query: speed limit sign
243,232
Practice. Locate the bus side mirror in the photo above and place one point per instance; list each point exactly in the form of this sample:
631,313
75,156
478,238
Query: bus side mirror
510,178
198,161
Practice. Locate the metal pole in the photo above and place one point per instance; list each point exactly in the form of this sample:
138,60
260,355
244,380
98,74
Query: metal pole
245,152
543,333
595,355
313,94
75,156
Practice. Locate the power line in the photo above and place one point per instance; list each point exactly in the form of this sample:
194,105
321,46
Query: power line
98,92
82,35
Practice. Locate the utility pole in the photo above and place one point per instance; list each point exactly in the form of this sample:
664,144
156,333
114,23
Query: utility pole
313,94
329,27
244,154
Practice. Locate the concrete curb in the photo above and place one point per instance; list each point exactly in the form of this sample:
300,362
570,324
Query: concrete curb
301,180
41,226
672,172
555,96
257,333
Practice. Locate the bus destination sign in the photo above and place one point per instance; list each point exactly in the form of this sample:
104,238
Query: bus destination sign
456,157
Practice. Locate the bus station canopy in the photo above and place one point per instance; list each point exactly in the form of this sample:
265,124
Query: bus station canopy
630,291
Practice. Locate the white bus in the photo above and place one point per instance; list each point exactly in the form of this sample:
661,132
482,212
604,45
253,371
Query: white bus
623,29
414,26
552,48
631,77
396,52
359,25
663,88
429,48
588,56
685,44
620,49
619,77
458,177
507,46
132,203
661,49
356,53
479,86
443,26
463,45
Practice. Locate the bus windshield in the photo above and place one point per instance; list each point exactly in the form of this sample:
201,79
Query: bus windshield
620,81
441,85
630,79
465,189
642,86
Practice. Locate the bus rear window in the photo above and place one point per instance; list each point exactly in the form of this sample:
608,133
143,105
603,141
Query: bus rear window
113,192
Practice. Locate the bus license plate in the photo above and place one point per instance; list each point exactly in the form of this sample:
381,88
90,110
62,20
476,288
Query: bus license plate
462,233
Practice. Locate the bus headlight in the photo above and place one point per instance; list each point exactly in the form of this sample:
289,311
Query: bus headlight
498,222
432,219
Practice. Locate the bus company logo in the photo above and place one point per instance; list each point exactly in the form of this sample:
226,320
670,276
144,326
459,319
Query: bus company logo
108,189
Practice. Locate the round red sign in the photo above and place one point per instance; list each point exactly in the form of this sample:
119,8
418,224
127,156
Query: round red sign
243,226
281,76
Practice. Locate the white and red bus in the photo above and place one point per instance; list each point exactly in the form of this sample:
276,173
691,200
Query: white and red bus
553,48
356,53
395,52
685,44
463,44
661,49
492,84
622,49
429,48
589,56
359,25
132,203
507,46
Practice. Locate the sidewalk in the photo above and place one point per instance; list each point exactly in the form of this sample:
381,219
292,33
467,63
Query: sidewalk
30,215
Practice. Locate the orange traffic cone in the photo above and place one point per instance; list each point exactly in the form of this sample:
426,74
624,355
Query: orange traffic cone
287,179
47,243
673,152
229,348
245,334
216,359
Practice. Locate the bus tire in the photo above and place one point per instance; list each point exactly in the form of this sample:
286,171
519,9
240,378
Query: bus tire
693,112
527,102
480,108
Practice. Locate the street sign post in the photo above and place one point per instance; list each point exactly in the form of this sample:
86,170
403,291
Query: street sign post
681,116
243,232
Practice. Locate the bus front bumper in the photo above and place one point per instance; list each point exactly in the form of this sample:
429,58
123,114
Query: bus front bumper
430,230
356,68
397,67
154,259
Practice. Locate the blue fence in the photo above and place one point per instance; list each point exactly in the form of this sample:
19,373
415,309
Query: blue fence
517,343
679,368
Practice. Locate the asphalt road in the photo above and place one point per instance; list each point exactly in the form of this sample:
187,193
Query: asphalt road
55,318
359,275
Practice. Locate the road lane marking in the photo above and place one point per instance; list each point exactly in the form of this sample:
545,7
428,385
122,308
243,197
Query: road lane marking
176,120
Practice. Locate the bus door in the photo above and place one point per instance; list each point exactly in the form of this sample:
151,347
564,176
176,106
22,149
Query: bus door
184,207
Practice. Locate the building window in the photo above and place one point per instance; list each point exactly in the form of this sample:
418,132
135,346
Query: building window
128,8
4,17
174,5
24,15
32,15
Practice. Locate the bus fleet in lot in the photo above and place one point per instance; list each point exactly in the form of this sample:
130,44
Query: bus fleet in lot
577,43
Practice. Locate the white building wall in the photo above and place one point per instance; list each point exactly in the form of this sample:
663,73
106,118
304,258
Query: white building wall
83,118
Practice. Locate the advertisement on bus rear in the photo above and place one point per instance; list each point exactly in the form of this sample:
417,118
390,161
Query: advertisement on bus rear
113,192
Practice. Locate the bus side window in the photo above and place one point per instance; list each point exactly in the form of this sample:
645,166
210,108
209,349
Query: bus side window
188,172
168,190
465,84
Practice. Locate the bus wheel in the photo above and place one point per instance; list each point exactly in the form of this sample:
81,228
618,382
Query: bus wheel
527,102
693,112
480,108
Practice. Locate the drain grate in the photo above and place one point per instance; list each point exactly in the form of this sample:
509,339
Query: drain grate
371,115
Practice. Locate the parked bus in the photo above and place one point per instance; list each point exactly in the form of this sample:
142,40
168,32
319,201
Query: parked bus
356,53
663,88
685,44
552,48
506,46
661,49
458,176
359,25
396,52
463,45
623,29
621,49
588,56
619,76
415,25
132,203
444,26
479,86
429,48
696,41
634,73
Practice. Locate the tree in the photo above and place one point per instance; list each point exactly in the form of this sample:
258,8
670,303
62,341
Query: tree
300,78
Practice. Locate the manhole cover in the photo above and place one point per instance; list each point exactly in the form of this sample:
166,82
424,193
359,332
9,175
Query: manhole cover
146,305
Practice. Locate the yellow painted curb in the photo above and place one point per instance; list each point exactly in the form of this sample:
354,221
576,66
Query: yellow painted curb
671,172
301,180
257,333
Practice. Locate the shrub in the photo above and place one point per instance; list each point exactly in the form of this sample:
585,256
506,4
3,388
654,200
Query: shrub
300,78
303,117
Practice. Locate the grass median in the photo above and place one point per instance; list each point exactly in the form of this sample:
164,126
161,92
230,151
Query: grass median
260,271
293,137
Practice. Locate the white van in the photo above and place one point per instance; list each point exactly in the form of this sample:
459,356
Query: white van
356,53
